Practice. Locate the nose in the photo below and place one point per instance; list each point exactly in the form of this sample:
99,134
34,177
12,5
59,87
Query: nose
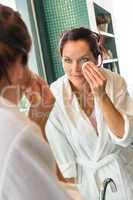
76,67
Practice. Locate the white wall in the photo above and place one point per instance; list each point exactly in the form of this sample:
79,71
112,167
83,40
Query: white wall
106,4
10,3
123,19
21,6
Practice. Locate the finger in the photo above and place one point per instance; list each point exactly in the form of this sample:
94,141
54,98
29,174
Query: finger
33,91
87,77
93,66
92,78
38,84
91,73
96,76
41,80
34,98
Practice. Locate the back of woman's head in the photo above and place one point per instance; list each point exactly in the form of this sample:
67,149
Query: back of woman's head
14,39
81,33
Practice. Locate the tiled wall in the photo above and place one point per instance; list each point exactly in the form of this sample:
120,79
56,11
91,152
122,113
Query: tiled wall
57,16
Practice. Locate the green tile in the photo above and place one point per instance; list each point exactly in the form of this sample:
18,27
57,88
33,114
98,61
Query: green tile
59,15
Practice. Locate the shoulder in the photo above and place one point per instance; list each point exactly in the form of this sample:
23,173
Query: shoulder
114,80
57,85
112,75
12,120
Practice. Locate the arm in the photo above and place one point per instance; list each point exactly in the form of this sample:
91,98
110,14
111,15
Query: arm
27,170
112,116
41,101
61,148
61,178
124,104
97,82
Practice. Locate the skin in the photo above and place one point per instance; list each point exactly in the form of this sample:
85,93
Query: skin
23,81
85,77
90,77
97,82
73,56
15,74
42,101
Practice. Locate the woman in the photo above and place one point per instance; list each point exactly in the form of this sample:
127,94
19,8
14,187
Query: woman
25,159
90,126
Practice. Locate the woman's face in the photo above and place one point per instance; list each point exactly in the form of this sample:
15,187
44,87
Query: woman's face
19,76
74,54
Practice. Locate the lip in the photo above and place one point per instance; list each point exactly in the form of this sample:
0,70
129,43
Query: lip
77,75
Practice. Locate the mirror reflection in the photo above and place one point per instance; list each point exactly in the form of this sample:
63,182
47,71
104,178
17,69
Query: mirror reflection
66,111
90,127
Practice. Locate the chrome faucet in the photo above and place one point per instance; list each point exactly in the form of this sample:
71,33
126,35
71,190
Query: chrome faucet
104,188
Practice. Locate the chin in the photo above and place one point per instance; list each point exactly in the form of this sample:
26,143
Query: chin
78,82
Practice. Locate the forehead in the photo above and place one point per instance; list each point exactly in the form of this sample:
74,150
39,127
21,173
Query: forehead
81,47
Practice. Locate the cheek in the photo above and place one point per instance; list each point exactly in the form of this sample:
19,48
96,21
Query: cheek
13,76
67,69
19,77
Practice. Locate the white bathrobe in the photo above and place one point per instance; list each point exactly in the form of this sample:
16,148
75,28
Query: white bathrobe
80,153
26,161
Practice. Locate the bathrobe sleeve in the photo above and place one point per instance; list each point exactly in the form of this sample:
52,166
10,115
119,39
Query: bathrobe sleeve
27,171
60,146
124,104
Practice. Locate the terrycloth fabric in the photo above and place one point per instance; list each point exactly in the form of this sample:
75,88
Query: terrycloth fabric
84,155
26,162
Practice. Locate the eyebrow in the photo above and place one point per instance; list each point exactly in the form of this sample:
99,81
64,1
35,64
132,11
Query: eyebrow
65,56
80,57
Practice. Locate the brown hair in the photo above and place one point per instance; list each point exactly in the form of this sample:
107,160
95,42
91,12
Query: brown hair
81,33
14,39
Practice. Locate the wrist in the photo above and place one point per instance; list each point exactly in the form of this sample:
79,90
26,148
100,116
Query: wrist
102,98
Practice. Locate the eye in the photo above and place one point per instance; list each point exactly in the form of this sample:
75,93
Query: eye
67,60
83,60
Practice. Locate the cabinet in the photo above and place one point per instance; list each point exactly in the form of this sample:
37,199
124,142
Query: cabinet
101,21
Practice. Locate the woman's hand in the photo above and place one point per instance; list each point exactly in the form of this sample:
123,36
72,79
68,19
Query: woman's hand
97,82
41,100
95,78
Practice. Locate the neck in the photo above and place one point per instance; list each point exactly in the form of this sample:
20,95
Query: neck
85,88
84,97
